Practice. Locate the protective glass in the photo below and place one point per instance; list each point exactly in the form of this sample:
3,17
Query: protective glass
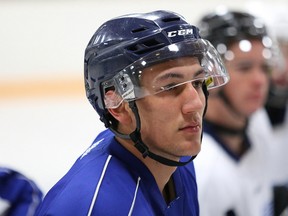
129,84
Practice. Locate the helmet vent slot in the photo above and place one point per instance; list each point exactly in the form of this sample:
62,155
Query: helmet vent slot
143,28
146,46
171,19
150,43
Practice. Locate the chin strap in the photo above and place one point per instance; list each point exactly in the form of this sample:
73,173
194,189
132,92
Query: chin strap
228,130
135,136
143,148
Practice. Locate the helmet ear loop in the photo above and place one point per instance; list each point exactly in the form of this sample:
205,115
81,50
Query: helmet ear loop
111,123
135,136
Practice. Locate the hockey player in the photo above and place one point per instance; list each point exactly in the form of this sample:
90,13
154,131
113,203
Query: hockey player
19,195
147,77
233,169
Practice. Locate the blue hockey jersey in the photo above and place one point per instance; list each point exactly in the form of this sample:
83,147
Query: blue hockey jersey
108,180
19,196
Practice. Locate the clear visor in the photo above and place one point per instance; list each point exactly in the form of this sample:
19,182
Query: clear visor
194,61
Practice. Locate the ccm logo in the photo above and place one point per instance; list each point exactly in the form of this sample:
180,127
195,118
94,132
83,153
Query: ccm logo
180,32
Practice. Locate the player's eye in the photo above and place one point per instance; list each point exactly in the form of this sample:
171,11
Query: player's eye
198,83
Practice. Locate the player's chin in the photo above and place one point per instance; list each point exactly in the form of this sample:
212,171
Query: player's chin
193,148
197,149
251,109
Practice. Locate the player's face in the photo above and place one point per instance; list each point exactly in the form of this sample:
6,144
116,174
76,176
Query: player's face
171,121
249,78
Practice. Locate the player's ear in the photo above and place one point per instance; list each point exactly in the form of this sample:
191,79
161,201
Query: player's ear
122,113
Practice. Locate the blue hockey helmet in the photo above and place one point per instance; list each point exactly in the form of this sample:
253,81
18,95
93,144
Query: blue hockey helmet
123,46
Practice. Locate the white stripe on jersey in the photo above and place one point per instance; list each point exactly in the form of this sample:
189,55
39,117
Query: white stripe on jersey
134,198
98,185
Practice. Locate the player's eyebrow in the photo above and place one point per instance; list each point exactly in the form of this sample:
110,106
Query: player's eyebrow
178,75
169,75
199,72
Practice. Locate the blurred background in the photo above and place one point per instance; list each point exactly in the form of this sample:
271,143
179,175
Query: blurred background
46,122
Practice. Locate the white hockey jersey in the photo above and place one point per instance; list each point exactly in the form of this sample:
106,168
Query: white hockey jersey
236,186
